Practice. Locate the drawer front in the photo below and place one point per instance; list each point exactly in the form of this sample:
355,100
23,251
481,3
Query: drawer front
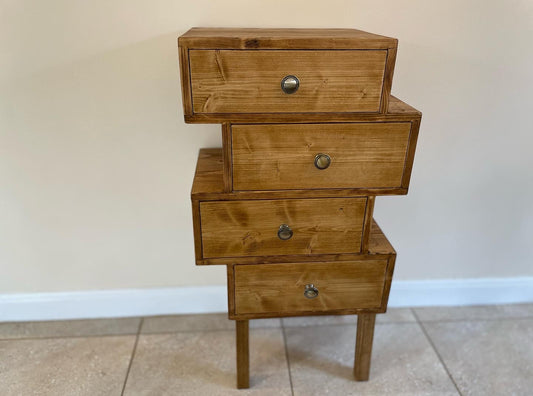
254,227
281,288
250,81
282,156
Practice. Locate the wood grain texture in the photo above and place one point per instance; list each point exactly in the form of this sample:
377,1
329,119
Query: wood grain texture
281,156
388,279
367,227
415,127
209,184
231,289
253,38
185,81
243,354
197,230
280,288
401,112
387,79
228,81
380,251
227,158
249,228
363,346
378,242
289,258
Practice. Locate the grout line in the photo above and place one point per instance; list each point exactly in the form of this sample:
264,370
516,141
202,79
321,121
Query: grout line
206,330
66,336
192,331
495,319
353,324
271,327
436,351
132,356
287,355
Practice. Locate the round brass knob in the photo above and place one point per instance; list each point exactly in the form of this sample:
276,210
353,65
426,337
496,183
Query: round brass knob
284,232
322,161
290,84
310,291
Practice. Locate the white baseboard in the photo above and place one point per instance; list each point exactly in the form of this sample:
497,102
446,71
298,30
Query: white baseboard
112,303
184,300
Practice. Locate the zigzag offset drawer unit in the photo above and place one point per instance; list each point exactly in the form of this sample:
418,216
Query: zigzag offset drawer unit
310,137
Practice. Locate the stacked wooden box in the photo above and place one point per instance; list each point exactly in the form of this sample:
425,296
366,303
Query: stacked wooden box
310,136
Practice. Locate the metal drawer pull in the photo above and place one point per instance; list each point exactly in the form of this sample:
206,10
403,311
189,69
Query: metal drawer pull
322,161
284,232
310,291
290,84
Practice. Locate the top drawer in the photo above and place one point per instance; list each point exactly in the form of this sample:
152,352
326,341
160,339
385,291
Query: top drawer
268,78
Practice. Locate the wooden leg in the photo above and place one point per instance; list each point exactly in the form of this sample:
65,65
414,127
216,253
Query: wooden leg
243,355
363,346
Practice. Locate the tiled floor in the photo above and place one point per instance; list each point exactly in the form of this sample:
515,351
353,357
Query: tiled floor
423,351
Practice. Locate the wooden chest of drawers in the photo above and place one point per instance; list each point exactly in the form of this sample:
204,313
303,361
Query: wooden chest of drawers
310,136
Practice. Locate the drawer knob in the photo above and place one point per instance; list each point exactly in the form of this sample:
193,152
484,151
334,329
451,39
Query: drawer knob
284,232
322,161
290,84
310,291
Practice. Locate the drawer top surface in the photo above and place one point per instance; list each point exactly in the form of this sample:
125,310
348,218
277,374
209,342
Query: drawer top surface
252,38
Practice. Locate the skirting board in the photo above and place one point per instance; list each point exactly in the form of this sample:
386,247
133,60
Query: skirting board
205,299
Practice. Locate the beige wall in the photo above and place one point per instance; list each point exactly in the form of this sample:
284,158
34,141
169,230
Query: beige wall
96,162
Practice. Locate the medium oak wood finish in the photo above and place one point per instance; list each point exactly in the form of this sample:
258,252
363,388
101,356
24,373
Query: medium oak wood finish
230,81
256,38
229,72
243,354
281,156
363,346
279,288
297,235
250,228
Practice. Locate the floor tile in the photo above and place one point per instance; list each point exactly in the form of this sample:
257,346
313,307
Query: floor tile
487,357
69,328
65,366
207,322
393,315
477,312
203,363
403,362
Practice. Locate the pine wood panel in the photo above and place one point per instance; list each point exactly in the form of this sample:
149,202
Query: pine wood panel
281,156
387,79
377,245
279,288
249,228
227,158
402,112
256,38
367,228
209,184
229,81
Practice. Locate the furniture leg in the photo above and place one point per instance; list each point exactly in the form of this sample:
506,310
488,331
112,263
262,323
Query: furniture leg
243,355
363,346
